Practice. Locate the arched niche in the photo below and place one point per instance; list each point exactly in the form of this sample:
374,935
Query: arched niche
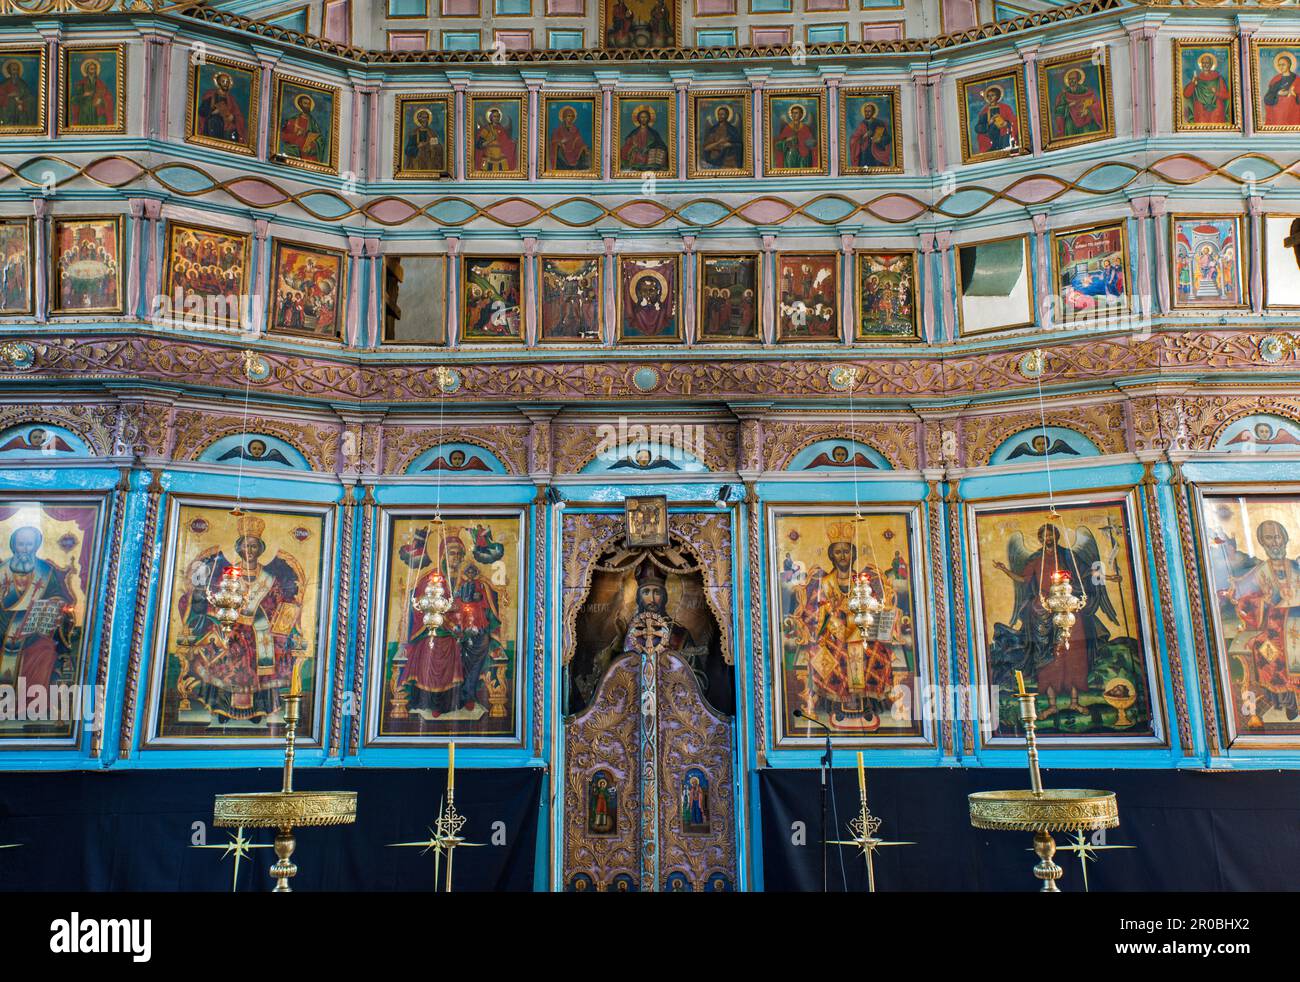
458,459
1259,433
611,602
255,450
1037,443
42,440
838,456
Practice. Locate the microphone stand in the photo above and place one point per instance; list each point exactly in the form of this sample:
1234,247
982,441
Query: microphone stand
826,776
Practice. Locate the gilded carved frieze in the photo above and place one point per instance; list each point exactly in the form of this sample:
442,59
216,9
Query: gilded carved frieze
917,375
196,431
1102,424
508,443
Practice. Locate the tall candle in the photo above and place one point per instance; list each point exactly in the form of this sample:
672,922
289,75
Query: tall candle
1020,683
451,767
862,777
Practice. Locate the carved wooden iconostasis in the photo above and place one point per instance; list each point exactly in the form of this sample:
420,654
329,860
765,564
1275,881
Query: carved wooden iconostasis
649,749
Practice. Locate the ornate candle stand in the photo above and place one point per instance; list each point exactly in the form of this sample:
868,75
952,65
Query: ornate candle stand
286,809
1042,811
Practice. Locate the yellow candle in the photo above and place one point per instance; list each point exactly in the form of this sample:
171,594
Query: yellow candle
451,767
1020,683
862,777
295,682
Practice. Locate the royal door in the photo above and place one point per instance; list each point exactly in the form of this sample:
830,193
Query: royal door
649,748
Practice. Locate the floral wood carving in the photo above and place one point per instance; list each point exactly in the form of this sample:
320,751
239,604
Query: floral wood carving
1102,424
196,431
508,443
91,423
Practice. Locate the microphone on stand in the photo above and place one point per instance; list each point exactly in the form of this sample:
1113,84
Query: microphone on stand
825,774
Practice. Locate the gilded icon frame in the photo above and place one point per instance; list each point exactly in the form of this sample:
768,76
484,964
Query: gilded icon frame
326,615
912,516
375,646
41,125
55,279
746,168
858,262
542,260
1027,265
893,93
96,619
817,96
254,107
1243,257
173,227
277,106
118,126
1106,95
1014,73
472,101
401,173
616,167
1232,76
1257,46
29,225
679,336
1217,699
701,262
544,137
1143,603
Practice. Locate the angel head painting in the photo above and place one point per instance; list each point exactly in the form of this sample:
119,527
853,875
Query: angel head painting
1090,679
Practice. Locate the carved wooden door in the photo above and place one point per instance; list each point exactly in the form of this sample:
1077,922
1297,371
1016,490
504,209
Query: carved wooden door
649,800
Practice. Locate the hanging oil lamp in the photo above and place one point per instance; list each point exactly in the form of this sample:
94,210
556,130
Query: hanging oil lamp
1062,603
434,602
227,601
863,603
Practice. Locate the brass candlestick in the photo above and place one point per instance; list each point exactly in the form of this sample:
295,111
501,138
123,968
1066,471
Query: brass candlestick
1042,811
286,809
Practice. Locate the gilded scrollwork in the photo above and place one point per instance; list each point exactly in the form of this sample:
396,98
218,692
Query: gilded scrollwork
90,422
1103,424
895,440
196,431
507,442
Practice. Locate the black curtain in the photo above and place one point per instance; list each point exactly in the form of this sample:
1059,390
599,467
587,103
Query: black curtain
134,830
1194,831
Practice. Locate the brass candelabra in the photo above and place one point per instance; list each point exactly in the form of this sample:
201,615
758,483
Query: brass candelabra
1042,811
286,809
